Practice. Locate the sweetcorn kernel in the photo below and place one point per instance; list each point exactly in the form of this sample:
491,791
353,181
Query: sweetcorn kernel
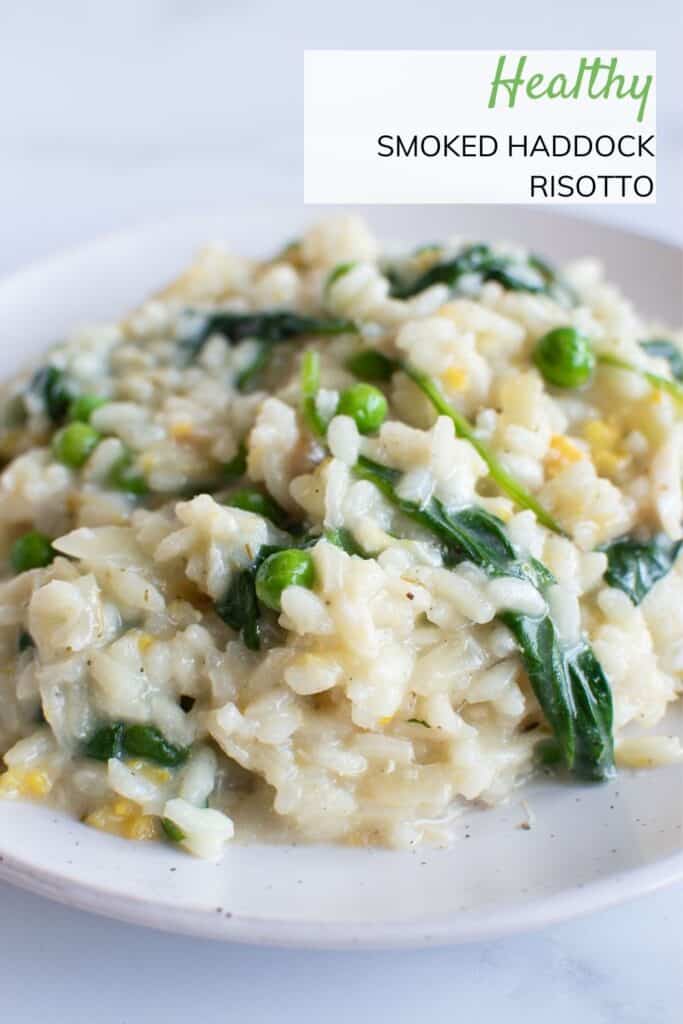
141,827
606,451
561,453
182,430
600,434
609,463
150,771
145,641
455,378
123,807
16,783
36,784
124,818
10,784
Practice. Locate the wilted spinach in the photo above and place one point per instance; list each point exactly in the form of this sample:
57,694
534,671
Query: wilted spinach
477,264
634,565
270,327
55,390
569,684
120,739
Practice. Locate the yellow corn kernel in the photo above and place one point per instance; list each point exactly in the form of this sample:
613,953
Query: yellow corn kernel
141,827
36,784
565,448
561,453
608,456
150,771
145,641
608,463
17,782
455,378
600,434
122,807
123,818
9,783
656,397
386,720
182,430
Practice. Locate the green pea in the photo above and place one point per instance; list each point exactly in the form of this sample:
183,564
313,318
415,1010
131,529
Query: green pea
73,445
565,357
33,550
369,364
287,568
251,500
84,406
366,405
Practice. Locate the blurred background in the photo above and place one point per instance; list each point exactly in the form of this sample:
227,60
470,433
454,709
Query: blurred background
111,114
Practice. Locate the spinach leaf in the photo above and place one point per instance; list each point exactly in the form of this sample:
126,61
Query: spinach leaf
569,684
25,641
106,742
173,832
239,607
344,539
471,534
270,328
478,264
666,350
119,739
634,566
55,390
147,741
573,692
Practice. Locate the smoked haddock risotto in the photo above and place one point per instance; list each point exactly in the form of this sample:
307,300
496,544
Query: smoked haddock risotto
329,545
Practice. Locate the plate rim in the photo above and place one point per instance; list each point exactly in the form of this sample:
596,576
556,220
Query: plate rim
433,931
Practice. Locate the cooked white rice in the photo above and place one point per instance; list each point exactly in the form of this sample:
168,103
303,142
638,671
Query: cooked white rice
389,695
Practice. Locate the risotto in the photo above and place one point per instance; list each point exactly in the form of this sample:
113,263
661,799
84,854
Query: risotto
330,545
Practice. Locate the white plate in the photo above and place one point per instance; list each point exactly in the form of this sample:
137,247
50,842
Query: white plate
590,845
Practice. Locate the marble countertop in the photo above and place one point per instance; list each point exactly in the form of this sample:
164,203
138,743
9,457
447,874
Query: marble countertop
116,114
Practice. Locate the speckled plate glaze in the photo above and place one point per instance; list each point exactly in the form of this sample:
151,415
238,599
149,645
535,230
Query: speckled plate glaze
588,847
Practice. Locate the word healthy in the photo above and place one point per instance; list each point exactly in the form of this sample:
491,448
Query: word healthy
595,78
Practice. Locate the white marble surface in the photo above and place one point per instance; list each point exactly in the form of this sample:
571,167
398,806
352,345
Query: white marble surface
117,113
